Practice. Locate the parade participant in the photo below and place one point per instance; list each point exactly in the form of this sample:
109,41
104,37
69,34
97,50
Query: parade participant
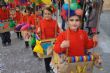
48,29
37,18
47,25
17,18
24,29
31,19
4,16
4,13
74,39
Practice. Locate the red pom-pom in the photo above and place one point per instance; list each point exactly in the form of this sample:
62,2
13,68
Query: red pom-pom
79,12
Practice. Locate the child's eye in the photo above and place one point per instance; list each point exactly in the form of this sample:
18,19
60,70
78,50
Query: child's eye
74,19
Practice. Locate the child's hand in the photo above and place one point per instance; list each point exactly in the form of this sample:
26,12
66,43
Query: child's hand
65,44
38,30
95,38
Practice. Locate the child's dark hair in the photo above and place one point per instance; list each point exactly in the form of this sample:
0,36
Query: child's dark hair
49,9
77,16
18,6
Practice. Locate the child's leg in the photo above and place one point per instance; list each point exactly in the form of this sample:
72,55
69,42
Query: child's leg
8,36
34,53
27,44
47,64
20,35
63,24
17,33
3,39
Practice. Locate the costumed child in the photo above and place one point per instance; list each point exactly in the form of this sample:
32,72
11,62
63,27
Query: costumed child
4,17
74,41
48,28
17,18
24,29
72,37
34,20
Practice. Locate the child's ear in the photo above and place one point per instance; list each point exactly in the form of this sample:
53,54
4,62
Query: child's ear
67,22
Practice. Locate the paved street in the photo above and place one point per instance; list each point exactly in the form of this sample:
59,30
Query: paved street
17,59
104,42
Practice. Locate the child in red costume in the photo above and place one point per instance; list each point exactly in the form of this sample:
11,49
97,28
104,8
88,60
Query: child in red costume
4,17
4,13
35,18
74,39
48,26
48,29
18,19
25,32
31,19
17,15
25,17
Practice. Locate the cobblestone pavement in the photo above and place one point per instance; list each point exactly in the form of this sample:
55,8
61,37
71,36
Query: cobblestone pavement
17,59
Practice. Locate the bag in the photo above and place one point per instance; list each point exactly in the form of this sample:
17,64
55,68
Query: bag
32,41
80,67
50,51
64,64
18,27
11,24
44,48
38,48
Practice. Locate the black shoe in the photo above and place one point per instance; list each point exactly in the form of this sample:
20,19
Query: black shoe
51,71
9,44
17,37
27,47
35,54
4,45
21,38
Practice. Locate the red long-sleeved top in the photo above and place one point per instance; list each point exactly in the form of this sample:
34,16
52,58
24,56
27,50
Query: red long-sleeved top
34,20
38,19
31,19
4,14
18,16
24,18
48,28
79,41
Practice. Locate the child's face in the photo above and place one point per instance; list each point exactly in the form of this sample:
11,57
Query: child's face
17,9
74,23
47,14
26,13
3,7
